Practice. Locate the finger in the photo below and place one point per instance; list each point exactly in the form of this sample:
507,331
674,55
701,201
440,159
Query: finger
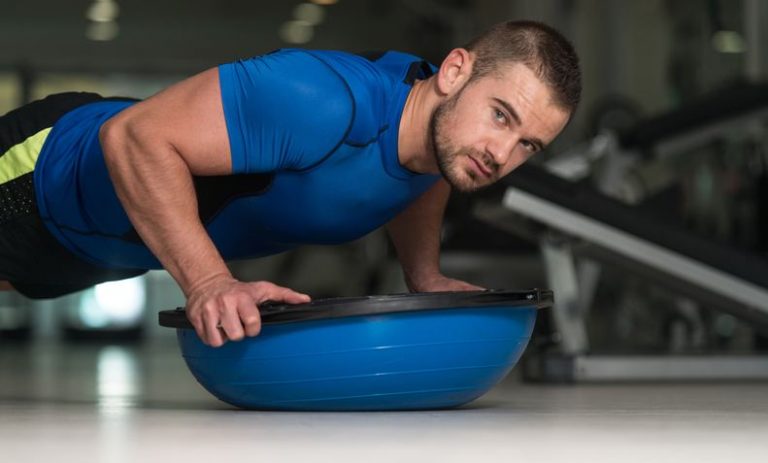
213,333
250,319
279,293
266,291
230,320
199,326
471,287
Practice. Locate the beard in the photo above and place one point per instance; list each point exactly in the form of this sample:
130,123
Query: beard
448,156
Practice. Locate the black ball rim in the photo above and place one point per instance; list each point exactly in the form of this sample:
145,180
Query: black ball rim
340,307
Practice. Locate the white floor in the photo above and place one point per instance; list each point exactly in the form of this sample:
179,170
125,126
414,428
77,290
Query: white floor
86,403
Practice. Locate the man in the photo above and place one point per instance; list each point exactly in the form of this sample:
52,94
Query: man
262,155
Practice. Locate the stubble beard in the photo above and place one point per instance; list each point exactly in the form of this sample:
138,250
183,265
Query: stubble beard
447,155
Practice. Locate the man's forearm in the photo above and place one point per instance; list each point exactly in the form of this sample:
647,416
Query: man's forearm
415,234
156,189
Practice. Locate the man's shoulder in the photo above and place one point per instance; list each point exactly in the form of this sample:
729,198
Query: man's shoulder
376,82
318,99
285,109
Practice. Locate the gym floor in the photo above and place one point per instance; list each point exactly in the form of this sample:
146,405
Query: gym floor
83,402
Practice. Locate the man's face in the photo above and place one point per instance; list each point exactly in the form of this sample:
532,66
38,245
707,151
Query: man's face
492,125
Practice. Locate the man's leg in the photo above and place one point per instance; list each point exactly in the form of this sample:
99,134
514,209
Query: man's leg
32,261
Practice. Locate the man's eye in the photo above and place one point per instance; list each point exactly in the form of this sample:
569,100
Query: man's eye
500,116
528,145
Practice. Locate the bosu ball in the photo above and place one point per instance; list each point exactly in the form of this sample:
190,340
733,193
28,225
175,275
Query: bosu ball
393,352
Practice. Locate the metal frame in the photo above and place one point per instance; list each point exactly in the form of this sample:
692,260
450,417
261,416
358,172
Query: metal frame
591,368
638,249
569,235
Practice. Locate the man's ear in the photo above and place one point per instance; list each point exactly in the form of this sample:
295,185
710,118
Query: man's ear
455,71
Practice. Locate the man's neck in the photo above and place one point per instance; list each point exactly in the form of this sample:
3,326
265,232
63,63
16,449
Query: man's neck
414,146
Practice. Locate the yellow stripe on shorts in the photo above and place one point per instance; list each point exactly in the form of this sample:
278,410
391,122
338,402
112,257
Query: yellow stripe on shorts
21,158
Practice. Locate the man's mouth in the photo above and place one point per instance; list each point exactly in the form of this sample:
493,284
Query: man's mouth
481,168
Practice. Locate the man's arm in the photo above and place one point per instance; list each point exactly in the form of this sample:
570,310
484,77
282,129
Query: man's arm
415,233
152,150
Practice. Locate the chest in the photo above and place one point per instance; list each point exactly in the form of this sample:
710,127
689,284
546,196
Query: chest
339,200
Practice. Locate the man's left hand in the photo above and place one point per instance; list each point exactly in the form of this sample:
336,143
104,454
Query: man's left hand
443,283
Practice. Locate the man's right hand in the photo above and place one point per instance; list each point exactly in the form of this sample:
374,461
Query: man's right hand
225,309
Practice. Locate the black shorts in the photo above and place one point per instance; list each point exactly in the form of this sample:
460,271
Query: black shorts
31,259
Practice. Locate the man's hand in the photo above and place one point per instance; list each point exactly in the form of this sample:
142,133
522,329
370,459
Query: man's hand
225,309
415,233
440,282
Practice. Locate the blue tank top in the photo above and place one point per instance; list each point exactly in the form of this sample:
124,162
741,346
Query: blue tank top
313,138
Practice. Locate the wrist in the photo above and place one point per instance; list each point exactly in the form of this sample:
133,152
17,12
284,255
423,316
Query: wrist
419,281
207,280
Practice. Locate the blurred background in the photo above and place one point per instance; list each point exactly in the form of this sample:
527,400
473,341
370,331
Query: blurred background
643,62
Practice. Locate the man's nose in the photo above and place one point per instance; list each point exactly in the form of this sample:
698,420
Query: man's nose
502,147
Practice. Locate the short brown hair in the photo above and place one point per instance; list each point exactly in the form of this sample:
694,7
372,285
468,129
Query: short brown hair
543,49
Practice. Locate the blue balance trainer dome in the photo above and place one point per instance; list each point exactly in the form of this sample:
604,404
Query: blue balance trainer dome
394,352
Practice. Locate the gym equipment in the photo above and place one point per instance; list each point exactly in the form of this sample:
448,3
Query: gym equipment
392,352
579,223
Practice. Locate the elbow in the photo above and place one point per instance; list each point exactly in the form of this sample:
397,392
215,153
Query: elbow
128,138
114,138
121,142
